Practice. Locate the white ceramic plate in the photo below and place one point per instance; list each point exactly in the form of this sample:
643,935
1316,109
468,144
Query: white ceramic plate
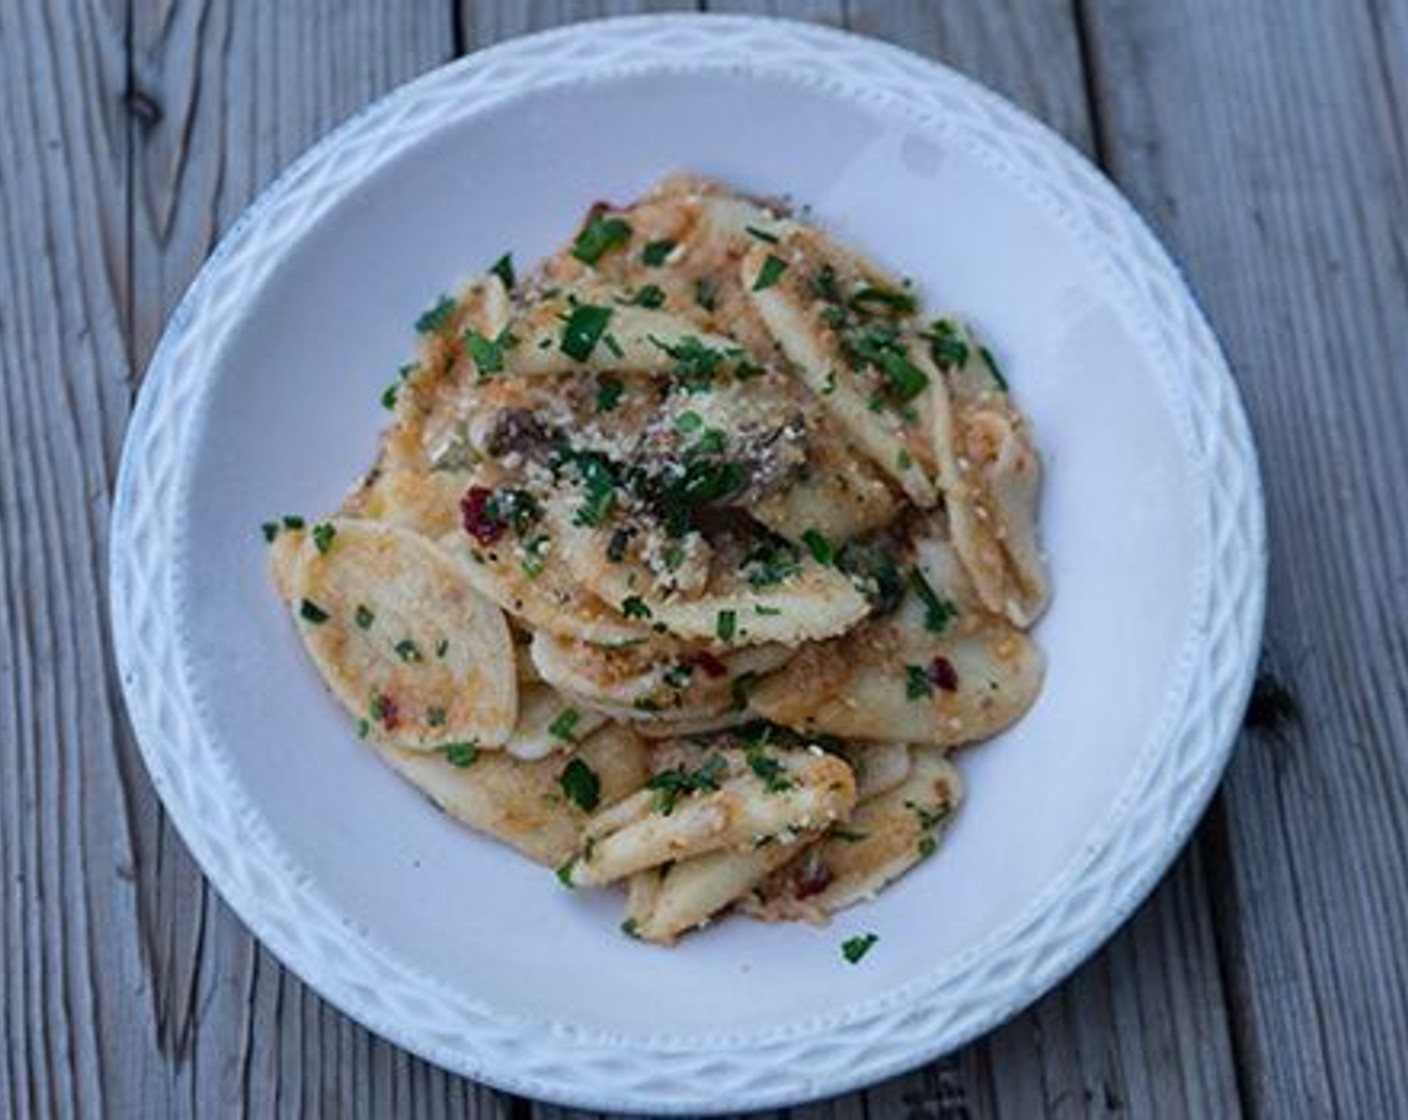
263,399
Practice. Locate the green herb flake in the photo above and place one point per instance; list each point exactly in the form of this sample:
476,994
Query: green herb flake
323,535
438,317
766,612
768,770
442,647
388,396
534,557
820,548
270,529
688,422
584,327
363,727
762,234
608,393
503,269
364,616
461,755
435,716
648,295
726,625
656,253
635,607
628,927
309,611
854,948
564,727
927,846
486,353
938,613
905,378
946,344
609,341
770,273
706,293
993,368
885,299
917,684
849,835
671,785
564,874
904,460
408,651
599,237
581,785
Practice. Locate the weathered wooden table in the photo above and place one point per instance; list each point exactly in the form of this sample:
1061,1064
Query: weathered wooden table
1267,142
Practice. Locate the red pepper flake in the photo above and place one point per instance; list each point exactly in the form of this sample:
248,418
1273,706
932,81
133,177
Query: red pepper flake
478,516
943,674
384,708
710,664
814,878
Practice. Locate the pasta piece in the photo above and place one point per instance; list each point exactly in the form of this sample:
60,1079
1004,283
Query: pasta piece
882,839
730,807
523,803
688,893
991,479
401,638
931,674
892,433
548,723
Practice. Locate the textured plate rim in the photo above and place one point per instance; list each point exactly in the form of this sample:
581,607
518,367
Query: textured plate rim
1168,791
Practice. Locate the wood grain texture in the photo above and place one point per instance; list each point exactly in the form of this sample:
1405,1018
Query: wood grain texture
1281,181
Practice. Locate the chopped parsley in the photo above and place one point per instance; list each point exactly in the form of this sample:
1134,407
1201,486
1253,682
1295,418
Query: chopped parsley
648,295
599,237
769,770
688,422
927,846
487,353
408,651
388,396
726,625
885,299
762,234
993,367
696,365
564,873
634,607
917,684
311,612
628,927
819,546
581,785
608,393
853,948
462,755
656,253
609,341
671,785
364,616
435,716
706,293
323,535
438,317
270,529
766,612
598,480
616,546
583,329
938,613
564,727
906,379
770,273
769,563
849,835
503,269
946,345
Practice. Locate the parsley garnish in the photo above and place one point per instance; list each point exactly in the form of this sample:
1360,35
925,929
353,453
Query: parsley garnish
648,295
695,363
581,785
770,273
564,873
655,252
706,293
564,727
849,835
608,393
995,369
598,479
937,612
771,562
635,607
435,716
364,616
487,353
769,770
948,349
388,396
438,317
584,327
905,378
762,234
311,612
503,269
461,755
927,846
819,546
671,785
293,521
599,237
853,948
323,533
628,927
726,625
270,529
688,422
408,651
917,684
887,299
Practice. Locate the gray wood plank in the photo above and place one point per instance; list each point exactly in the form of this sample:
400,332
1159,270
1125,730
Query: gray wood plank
1266,142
